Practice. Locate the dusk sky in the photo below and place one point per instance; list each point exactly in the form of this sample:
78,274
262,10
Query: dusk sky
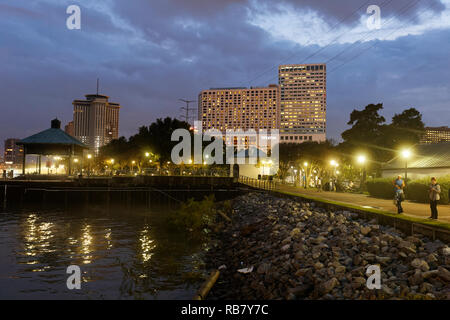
150,53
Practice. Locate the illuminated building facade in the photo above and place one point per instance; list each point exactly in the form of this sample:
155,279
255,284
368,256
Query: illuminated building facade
435,135
13,153
239,108
303,102
95,121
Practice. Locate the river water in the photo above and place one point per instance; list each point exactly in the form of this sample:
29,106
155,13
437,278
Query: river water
129,255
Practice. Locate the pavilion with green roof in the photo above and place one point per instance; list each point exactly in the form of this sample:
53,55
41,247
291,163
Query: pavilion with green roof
426,161
52,142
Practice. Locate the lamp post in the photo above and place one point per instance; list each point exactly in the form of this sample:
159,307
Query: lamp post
362,161
305,177
89,156
334,164
406,154
132,166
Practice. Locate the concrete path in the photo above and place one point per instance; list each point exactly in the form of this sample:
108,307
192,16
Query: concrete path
413,209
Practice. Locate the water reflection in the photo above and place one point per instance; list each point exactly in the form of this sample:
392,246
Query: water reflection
86,242
121,256
147,245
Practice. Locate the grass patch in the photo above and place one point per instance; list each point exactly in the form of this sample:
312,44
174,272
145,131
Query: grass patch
427,222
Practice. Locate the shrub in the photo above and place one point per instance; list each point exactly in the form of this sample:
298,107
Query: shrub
418,189
381,188
193,216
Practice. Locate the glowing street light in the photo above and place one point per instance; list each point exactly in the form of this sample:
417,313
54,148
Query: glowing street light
147,154
89,156
406,154
361,159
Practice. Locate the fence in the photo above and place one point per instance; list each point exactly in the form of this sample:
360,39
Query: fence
256,183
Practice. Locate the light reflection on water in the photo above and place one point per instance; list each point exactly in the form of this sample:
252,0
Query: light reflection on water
127,256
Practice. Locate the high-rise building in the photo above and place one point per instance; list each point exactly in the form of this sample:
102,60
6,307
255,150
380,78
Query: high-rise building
239,108
303,102
69,129
96,121
436,135
13,153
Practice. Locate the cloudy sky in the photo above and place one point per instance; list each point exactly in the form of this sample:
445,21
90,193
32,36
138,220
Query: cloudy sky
150,53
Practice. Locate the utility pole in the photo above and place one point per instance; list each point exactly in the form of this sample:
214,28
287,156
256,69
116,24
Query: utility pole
98,80
187,109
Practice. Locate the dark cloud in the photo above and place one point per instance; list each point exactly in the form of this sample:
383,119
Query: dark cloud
149,54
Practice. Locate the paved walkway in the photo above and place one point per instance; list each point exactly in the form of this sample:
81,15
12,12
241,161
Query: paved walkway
413,209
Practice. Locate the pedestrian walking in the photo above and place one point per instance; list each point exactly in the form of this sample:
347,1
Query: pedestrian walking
399,196
319,185
435,196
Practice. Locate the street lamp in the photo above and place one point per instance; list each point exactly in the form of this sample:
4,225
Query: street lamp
305,176
406,154
132,166
89,156
362,161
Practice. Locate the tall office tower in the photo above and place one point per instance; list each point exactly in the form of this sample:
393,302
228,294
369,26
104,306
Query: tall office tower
13,153
239,108
435,135
303,102
69,129
96,121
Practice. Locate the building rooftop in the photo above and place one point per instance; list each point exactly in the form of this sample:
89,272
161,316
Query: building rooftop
435,155
54,135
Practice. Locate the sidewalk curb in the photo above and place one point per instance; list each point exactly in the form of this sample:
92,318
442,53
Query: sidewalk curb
409,225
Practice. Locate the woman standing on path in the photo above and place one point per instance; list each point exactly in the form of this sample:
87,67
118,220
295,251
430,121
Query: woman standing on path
399,196
435,196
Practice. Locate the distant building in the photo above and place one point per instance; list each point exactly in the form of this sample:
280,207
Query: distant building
96,121
239,108
69,129
427,160
13,153
436,135
303,102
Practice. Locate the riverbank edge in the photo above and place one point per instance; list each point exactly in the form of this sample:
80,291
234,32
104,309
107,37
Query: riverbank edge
409,225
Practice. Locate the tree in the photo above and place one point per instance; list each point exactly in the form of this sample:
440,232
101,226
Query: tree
406,128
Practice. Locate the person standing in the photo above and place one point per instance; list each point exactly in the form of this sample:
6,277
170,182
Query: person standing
435,196
399,185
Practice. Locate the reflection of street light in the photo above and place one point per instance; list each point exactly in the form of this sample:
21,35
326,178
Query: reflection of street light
406,154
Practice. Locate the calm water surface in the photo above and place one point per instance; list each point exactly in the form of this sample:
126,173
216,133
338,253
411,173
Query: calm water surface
121,256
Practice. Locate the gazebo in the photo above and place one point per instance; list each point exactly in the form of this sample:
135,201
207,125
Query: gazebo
53,142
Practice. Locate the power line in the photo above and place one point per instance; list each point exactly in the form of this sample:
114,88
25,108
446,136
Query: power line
187,109
310,41
361,41
362,52
337,38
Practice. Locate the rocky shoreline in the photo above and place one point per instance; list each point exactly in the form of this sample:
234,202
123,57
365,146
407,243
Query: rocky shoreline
282,249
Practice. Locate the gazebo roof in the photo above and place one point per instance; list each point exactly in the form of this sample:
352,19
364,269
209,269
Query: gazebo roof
436,155
52,136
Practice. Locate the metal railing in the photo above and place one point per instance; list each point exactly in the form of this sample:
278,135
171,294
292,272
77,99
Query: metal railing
257,183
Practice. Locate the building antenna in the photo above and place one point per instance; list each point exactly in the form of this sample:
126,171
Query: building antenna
187,108
98,80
